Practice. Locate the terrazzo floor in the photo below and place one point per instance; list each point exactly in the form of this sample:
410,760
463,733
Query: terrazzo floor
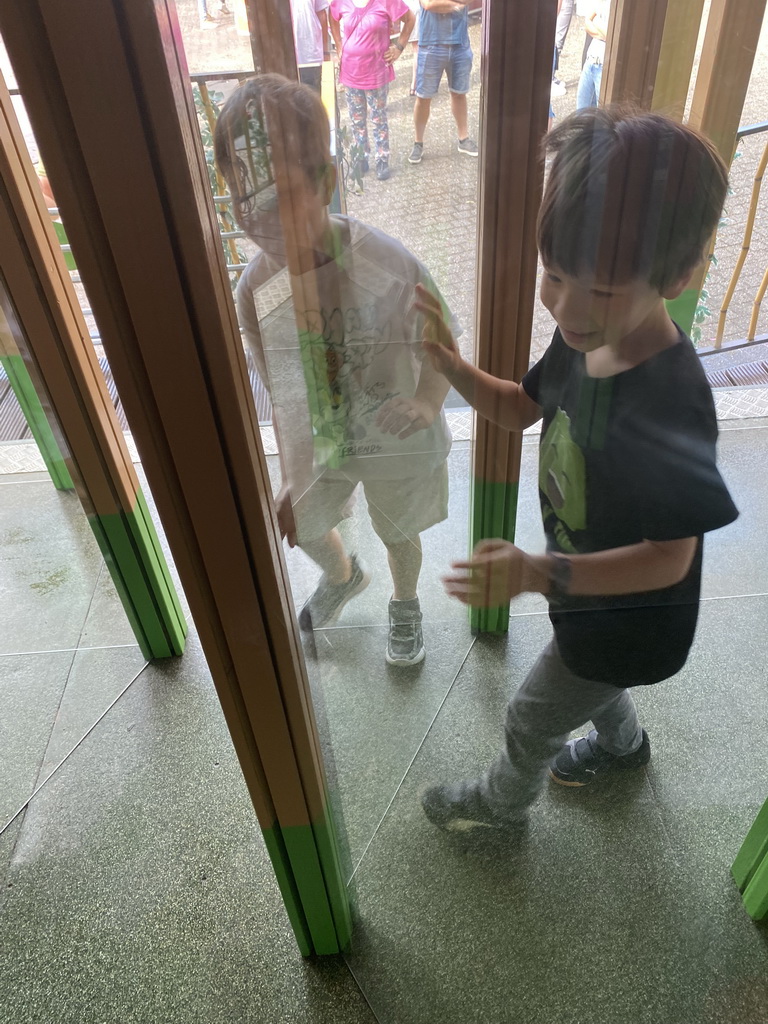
136,884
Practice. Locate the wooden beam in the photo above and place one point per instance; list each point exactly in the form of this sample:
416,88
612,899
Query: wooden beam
676,57
514,111
725,69
633,46
271,31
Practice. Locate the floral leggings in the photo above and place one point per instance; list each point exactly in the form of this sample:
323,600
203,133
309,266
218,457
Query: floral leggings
376,102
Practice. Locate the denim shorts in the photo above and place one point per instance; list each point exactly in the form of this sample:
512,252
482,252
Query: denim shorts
433,60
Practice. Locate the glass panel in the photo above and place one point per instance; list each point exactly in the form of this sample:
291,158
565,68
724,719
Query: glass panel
67,649
390,512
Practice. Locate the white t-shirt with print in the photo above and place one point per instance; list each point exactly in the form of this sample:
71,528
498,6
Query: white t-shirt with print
359,349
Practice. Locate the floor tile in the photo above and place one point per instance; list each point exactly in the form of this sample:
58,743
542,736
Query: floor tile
611,909
140,887
106,624
736,557
49,564
96,679
31,689
373,717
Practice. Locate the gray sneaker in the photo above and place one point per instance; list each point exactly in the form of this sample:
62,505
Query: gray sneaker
461,807
405,644
326,604
416,153
468,147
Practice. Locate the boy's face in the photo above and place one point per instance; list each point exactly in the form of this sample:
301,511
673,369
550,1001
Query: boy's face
592,314
305,208
287,213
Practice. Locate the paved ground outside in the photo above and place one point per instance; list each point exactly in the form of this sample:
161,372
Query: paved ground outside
432,207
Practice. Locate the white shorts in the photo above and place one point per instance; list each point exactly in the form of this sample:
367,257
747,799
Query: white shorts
399,509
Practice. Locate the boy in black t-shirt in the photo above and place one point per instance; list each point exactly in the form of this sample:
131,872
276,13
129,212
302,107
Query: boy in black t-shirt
627,466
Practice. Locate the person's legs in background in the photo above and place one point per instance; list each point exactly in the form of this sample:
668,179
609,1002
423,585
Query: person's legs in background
377,110
312,76
458,72
356,105
561,31
430,65
588,92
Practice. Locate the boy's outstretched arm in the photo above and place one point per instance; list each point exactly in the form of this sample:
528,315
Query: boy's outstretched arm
501,401
499,571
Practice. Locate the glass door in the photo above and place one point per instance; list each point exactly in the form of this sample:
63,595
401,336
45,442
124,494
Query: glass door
313,415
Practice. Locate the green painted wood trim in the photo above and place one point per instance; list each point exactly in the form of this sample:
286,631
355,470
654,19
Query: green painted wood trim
288,890
61,234
304,856
327,841
37,421
756,894
683,308
146,532
139,571
494,511
315,898
754,850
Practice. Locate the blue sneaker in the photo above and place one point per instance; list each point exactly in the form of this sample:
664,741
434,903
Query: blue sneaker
583,760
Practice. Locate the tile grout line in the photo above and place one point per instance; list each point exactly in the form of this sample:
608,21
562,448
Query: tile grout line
66,757
66,682
412,761
66,650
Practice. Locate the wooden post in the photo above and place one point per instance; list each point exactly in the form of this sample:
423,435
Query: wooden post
271,30
632,49
678,50
515,106
730,44
150,257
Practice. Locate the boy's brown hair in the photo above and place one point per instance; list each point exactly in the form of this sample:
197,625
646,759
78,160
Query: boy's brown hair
265,112
630,195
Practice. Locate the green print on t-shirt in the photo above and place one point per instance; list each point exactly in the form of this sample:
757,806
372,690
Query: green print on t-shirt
337,350
562,477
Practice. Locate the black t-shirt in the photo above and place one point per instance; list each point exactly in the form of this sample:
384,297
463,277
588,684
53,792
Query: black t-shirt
624,459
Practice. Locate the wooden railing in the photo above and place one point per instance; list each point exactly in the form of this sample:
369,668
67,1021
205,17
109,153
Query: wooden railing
750,337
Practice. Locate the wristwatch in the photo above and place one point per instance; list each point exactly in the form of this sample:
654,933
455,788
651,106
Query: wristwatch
400,47
559,571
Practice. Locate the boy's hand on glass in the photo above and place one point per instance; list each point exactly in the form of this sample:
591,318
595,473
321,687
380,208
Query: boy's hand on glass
436,338
285,519
492,576
405,416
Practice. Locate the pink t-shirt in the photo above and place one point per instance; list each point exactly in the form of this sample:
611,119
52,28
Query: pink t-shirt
365,40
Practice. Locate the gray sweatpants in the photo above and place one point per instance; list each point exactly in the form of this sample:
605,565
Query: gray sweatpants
550,704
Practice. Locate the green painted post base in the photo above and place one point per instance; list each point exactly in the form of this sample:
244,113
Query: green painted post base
131,549
306,866
683,308
750,869
494,509
26,396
